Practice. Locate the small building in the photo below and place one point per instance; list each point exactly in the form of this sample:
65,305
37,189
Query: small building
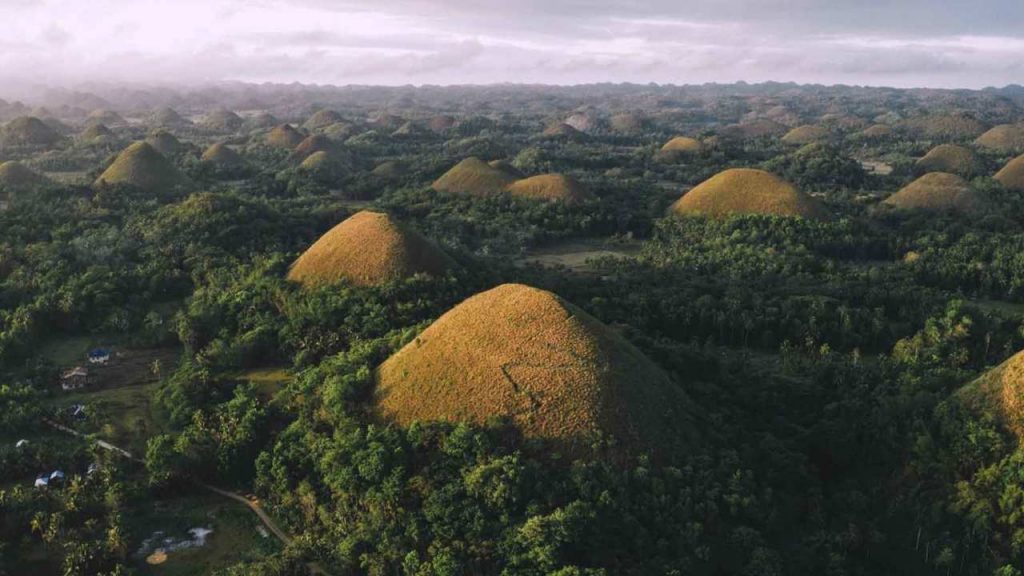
74,378
56,476
93,467
21,443
77,411
99,356
42,481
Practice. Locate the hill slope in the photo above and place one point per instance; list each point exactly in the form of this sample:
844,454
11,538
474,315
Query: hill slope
558,373
747,191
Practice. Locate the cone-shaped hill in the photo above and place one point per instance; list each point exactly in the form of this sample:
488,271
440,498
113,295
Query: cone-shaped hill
261,121
167,118
224,121
96,133
877,131
559,374
557,187
954,126
679,148
322,119
16,177
390,170
368,248
108,117
562,130
140,165
938,192
311,145
165,143
748,191
952,159
29,131
1006,138
284,136
1012,175
627,123
1000,394
475,177
805,134
220,154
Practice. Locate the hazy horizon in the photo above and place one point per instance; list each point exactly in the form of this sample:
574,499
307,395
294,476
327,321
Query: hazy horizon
904,44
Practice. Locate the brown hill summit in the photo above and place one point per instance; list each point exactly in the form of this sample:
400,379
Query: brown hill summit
954,126
950,158
368,248
140,165
550,187
525,354
167,118
937,191
679,148
627,123
322,119
29,131
220,154
16,177
475,177
108,117
1012,175
390,169
284,136
877,131
747,191
96,133
562,130
999,393
311,145
164,142
805,134
222,120
1008,138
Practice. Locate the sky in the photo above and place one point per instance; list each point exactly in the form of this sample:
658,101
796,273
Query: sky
902,43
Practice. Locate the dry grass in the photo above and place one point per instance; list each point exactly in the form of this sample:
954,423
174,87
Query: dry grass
937,191
952,126
1012,175
220,154
952,159
562,130
747,191
340,131
140,165
168,118
108,117
96,132
222,120
627,123
322,119
29,131
1007,138
805,134
474,177
16,177
877,131
683,144
164,142
283,136
556,187
1000,393
525,354
311,145
369,248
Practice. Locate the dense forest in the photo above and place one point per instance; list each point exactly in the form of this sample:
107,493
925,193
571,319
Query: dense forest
836,365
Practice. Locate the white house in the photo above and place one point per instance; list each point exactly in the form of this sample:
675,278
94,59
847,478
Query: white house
21,443
74,378
99,356
42,481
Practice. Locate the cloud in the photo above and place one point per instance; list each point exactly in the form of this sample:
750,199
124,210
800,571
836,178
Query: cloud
898,42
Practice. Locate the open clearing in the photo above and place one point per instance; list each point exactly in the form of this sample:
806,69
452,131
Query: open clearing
577,256
235,537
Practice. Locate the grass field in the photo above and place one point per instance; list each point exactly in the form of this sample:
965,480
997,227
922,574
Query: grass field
577,256
235,534
267,380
